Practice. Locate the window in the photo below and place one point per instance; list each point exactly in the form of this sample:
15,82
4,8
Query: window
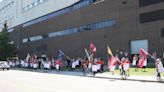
34,4
10,30
36,38
5,19
11,42
25,40
89,27
30,6
57,13
6,6
152,16
162,32
25,8
148,2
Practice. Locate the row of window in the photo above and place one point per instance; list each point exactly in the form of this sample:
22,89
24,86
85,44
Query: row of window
81,4
5,19
152,16
148,2
34,4
7,7
89,27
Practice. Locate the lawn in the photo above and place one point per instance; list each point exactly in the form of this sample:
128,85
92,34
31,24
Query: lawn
147,72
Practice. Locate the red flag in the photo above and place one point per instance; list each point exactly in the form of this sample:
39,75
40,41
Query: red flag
92,48
112,62
143,54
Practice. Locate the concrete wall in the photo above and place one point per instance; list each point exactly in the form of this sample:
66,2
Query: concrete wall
19,16
117,37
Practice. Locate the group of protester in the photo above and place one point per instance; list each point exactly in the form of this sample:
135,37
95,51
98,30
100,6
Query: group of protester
89,63
32,62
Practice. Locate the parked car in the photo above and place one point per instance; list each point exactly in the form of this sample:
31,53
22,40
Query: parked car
4,65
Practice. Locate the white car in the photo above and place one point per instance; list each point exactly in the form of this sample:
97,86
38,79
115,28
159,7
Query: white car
4,65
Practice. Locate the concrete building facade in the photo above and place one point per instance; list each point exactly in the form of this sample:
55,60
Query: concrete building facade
124,25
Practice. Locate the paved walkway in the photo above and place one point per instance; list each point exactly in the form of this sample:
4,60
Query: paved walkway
102,75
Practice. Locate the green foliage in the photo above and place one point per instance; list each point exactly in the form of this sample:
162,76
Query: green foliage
6,49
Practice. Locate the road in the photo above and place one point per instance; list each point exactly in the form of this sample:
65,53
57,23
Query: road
23,81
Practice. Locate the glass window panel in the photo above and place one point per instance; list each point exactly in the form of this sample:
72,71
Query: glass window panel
25,40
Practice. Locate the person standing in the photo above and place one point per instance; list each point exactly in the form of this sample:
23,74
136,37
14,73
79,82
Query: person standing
90,64
127,66
123,73
134,62
159,68
112,64
101,63
84,66
144,65
68,63
73,64
95,67
58,63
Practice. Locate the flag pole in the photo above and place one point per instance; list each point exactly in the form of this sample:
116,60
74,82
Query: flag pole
152,56
149,54
63,53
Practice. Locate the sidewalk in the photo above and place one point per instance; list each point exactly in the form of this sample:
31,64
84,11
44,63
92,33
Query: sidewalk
131,78
109,76
101,75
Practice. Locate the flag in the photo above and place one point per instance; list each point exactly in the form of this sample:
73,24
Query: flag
109,51
87,54
92,47
112,63
28,57
61,54
143,54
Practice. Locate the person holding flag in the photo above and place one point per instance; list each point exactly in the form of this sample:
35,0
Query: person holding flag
123,67
127,66
142,58
112,64
84,66
58,62
90,64
111,61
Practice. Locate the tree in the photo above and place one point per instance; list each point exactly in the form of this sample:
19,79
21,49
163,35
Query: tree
6,48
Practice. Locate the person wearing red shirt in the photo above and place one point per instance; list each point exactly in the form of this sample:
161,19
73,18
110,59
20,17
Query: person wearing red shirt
101,64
